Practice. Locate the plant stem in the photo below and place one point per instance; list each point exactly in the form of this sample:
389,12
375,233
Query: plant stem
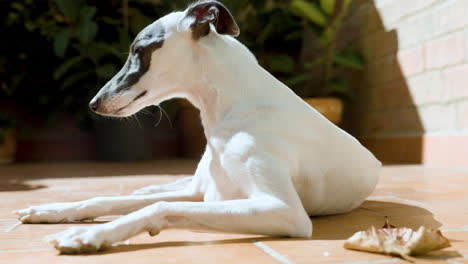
330,48
125,14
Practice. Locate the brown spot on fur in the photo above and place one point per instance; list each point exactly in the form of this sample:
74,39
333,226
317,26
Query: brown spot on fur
206,12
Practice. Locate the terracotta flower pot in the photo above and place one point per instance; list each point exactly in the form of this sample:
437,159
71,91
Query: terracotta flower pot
7,146
192,137
330,107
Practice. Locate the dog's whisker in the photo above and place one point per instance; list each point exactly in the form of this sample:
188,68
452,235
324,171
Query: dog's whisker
128,120
160,116
165,113
146,112
138,121
132,120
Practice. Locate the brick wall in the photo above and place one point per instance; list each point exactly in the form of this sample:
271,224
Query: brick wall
412,100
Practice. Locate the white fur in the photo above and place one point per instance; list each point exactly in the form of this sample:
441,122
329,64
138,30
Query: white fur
270,162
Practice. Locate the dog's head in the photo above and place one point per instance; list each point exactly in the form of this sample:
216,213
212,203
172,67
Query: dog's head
160,56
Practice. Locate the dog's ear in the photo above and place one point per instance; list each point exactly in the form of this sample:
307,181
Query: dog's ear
204,13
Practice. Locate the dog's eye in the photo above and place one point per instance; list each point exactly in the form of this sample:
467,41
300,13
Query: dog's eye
137,50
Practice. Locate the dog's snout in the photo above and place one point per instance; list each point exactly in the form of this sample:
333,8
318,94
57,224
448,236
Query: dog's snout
94,105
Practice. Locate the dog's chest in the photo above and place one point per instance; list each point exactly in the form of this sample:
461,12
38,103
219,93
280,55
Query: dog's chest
214,194
220,186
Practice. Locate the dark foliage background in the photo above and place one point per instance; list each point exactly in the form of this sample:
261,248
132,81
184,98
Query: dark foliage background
56,54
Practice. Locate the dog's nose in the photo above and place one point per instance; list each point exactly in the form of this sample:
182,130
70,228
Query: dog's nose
94,105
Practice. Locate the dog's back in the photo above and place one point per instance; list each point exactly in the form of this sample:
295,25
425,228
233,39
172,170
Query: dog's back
331,171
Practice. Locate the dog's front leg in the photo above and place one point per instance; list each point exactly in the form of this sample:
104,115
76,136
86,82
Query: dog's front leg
169,187
100,206
262,215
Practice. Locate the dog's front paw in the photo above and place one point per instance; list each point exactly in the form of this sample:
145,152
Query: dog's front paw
79,240
50,213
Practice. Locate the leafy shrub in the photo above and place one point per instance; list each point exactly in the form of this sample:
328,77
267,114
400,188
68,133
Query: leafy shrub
326,61
60,52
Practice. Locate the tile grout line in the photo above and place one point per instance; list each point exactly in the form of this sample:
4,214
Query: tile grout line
24,250
454,229
13,227
411,202
449,261
378,261
274,254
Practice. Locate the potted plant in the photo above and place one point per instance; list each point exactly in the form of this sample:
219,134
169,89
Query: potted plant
7,139
300,43
324,61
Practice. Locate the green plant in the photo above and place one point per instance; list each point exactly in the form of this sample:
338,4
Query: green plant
60,52
69,60
86,60
298,42
324,18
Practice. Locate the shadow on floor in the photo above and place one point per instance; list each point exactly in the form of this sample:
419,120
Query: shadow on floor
384,114
371,213
336,227
15,177
15,185
138,247
28,171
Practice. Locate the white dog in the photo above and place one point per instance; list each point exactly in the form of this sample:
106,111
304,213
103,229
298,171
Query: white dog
271,159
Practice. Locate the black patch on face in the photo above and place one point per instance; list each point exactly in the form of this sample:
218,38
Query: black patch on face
149,40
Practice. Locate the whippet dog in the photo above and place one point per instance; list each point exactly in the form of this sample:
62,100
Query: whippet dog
271,160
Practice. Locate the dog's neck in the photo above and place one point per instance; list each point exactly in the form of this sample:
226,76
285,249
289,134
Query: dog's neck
227,78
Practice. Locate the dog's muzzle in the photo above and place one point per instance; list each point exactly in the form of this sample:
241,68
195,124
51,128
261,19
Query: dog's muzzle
94,104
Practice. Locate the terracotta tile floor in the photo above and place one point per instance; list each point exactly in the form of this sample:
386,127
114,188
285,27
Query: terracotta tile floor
409,195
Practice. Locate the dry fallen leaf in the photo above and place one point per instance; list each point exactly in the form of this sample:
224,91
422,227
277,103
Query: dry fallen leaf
400,241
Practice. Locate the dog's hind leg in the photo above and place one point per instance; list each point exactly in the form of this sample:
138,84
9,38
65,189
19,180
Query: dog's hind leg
169,187
100,206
